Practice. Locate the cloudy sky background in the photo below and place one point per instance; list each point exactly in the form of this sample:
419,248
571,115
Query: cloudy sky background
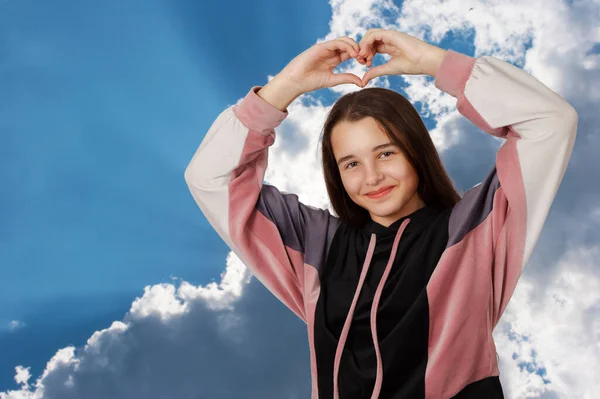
114,285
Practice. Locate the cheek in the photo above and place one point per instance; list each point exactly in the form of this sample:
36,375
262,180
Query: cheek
352,184
402,172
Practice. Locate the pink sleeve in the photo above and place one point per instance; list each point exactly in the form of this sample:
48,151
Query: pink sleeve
507,210
281,240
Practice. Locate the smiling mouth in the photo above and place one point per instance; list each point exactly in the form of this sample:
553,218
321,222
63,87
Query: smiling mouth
381,194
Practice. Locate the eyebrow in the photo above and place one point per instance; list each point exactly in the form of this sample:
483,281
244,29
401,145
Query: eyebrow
378,147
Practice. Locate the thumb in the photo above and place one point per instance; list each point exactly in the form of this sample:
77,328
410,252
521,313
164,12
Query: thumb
341,78
372,73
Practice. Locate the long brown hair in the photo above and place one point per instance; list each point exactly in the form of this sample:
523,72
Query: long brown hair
402,123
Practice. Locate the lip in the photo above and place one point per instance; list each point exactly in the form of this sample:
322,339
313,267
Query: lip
382,193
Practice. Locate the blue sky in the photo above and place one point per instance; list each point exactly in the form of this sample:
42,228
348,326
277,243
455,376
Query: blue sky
102,105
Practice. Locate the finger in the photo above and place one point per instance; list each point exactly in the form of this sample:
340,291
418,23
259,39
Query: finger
372,73
379,48
355,46
384,48
342,78
345,56
340,46
351,42
369,53
376,41
366,41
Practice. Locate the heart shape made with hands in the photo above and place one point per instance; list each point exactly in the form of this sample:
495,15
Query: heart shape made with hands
409,55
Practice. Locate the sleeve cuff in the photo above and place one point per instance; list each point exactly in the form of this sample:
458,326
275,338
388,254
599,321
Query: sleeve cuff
454,72
257,114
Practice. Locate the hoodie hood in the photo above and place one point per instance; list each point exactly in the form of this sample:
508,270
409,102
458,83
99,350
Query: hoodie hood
419,219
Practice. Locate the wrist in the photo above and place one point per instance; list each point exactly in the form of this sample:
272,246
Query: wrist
433,60
280,92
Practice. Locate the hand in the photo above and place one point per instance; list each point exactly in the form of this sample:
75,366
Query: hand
313,69
410,55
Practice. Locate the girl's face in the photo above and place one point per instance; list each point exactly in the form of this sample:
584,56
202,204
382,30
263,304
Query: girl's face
365,166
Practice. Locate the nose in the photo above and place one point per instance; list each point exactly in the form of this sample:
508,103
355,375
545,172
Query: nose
374,176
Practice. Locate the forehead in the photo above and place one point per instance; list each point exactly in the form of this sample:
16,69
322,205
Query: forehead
355,137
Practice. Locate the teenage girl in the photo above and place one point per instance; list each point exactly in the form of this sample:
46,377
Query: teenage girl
401,289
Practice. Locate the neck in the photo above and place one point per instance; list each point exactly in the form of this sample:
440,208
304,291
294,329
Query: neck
413,205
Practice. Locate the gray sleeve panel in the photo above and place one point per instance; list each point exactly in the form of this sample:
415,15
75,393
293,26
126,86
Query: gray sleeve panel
304,228
474,207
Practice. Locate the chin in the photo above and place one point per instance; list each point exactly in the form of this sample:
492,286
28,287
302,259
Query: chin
385,213
388,208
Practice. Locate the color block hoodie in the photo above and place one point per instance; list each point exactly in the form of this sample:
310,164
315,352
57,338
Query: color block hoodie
408,310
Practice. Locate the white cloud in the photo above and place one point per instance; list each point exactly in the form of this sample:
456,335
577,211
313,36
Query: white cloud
15,325
177,342
22,376
11,326
549,341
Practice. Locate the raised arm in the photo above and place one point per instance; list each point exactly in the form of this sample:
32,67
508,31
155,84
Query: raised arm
281,240
497,223
508,209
